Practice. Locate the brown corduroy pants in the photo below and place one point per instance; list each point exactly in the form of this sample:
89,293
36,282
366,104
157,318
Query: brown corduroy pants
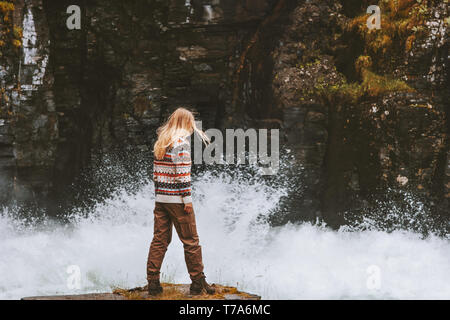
166,215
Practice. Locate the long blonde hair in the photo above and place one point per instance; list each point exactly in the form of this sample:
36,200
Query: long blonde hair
180,124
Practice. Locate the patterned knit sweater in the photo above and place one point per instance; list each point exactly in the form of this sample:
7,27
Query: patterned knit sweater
172,174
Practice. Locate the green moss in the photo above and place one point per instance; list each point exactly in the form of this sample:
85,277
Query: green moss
372,85
348,92
402,22
363,62
375,85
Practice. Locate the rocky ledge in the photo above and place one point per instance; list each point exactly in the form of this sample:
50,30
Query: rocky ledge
170,292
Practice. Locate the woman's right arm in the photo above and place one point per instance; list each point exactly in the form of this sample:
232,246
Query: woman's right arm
182,161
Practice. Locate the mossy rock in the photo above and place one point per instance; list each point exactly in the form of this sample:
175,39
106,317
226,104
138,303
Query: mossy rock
181,292
170,292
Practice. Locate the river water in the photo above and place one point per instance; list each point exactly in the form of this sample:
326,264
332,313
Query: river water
108,245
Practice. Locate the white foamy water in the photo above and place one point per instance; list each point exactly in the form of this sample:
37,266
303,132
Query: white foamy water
290,262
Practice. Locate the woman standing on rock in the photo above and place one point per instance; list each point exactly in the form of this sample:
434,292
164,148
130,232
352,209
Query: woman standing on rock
173,202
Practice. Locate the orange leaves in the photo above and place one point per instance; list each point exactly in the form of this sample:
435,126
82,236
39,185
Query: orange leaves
9,34
6,7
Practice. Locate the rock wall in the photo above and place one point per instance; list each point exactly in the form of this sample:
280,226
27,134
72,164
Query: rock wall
357,141
29,124
302,66
109,85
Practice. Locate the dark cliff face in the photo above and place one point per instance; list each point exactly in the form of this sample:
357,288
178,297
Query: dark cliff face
108,86
366,111
359,118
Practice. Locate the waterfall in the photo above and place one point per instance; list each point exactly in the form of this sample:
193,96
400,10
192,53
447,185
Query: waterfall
209,14
109,244
34,61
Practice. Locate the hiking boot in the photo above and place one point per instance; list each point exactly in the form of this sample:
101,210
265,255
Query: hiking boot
154,287
198,285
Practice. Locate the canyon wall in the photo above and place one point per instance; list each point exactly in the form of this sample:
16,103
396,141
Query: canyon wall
360,112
